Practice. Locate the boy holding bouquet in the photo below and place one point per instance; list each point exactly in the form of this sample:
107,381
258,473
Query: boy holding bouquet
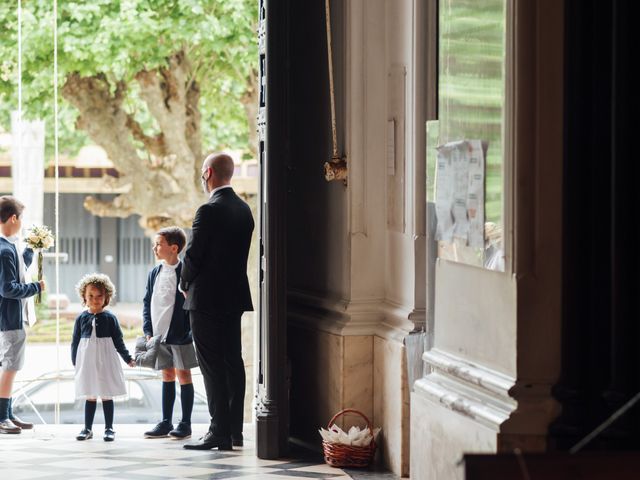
13,294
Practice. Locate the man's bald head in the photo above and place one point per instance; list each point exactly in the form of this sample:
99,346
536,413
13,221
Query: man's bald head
222,165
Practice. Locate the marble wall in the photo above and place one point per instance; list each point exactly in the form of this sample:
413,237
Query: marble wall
331,372
439,436
391,404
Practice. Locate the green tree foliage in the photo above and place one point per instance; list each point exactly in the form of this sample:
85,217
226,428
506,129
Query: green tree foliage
128,57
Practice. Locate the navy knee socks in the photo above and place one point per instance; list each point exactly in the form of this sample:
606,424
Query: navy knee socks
89,413
186,398
4,408
168,400
107,408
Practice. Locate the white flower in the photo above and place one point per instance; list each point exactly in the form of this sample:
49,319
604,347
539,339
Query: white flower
40,238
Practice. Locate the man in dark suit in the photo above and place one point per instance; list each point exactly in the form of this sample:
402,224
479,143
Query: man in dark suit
214,279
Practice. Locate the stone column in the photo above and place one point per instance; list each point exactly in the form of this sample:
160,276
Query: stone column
27,170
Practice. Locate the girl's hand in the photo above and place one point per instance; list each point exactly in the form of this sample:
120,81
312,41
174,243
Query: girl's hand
132,363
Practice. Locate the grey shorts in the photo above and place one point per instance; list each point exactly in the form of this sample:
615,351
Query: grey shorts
182,357
12,349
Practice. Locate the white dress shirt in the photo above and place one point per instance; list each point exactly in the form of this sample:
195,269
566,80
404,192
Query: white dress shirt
218,188
163,299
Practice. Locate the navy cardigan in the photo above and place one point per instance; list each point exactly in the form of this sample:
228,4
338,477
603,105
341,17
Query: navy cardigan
106,326
11,289
179,329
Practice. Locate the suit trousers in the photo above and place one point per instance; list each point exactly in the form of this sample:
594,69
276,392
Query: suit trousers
217,338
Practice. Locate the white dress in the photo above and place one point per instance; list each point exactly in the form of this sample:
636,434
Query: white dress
98,369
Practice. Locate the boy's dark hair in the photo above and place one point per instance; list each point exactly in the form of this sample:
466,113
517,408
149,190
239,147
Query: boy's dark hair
174,236
9,206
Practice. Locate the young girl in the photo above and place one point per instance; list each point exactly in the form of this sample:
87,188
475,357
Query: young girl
96,338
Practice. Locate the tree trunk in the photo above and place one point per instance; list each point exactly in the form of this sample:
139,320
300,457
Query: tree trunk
163,187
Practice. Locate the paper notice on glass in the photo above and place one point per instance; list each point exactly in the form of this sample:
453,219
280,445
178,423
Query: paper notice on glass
475,194
444,188
459,187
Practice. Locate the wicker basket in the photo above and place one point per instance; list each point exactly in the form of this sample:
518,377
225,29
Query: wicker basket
339,455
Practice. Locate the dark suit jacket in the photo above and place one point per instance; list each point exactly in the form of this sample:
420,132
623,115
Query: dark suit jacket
214,274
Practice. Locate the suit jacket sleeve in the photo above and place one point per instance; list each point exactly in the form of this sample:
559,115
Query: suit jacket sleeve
11,287
197,248
147,326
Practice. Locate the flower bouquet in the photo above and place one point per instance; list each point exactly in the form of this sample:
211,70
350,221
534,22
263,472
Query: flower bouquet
39,239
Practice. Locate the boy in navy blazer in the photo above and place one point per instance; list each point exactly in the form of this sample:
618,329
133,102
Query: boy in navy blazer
163,315
13,294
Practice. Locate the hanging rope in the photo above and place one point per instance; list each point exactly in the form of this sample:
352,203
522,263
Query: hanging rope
20,79
334,136
56,162
336,169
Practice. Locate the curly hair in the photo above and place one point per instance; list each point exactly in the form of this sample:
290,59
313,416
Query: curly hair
98,280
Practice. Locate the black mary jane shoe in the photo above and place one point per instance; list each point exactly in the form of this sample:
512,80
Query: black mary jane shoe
109,435
85,434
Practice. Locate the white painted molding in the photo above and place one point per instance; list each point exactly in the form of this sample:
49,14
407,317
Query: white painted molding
454,397
398,321
470,390
346,318
484,378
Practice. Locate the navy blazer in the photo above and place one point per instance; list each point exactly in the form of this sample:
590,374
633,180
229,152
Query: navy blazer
106,326
215,262
179,329
11,289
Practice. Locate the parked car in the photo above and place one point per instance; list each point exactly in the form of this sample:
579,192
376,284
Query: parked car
36,401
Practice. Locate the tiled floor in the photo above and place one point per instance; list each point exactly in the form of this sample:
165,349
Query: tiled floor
51,452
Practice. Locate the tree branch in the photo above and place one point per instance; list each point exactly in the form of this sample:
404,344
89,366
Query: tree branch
155,145
175,109
161,190
102,117
118,207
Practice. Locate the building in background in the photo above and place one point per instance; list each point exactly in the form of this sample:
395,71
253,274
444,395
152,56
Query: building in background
87,243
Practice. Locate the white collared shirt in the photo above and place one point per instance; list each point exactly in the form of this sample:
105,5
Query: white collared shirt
163,299
218,188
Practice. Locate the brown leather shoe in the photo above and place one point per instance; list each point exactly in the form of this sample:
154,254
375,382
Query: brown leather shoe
7,426
23,425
